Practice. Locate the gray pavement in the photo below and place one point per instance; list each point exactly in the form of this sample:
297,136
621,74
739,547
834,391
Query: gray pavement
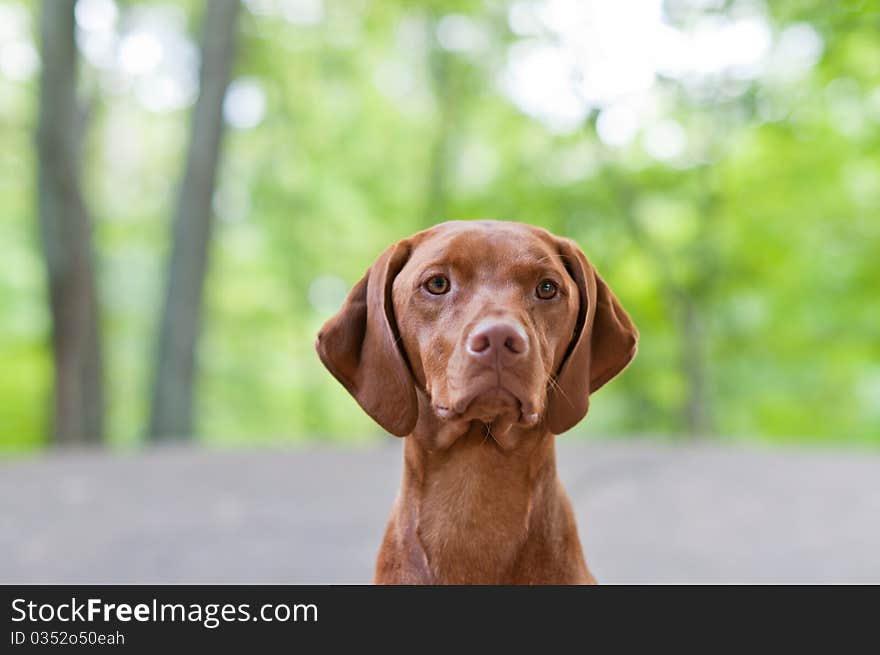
646,512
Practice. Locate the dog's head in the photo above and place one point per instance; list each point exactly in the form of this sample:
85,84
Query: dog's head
491,321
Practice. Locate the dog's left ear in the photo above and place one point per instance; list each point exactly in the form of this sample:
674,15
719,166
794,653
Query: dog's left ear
360,347
604,343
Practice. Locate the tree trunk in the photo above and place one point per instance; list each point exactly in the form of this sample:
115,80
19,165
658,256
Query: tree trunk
78,400
693,366
171,414
445,101
684,305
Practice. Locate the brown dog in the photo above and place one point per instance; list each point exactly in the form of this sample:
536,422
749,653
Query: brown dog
479,341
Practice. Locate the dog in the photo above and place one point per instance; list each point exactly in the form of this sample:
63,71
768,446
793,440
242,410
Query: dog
479,341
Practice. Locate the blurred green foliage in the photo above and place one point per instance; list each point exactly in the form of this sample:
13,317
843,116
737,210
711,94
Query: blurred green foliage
750,260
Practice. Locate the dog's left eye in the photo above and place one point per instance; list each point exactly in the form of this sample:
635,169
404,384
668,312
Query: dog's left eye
546,289
437,285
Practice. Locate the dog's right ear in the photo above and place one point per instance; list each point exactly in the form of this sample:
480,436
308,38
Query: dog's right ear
359,346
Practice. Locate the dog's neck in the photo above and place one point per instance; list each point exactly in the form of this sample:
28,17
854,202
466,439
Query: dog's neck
471,500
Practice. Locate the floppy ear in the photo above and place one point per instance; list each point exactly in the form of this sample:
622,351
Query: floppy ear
604,342
358,345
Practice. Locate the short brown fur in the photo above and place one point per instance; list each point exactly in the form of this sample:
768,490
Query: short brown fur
480,501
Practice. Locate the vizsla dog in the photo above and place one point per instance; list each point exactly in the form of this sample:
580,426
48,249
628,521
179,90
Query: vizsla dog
479,341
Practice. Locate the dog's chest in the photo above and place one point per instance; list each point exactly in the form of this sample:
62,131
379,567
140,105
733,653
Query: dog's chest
474,516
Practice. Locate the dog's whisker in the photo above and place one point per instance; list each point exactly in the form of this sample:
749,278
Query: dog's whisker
489,432
555,385
550,258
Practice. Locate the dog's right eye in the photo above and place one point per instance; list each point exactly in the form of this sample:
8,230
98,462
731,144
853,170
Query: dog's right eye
438,285
546,289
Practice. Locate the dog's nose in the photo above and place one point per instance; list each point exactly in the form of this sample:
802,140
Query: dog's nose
502,339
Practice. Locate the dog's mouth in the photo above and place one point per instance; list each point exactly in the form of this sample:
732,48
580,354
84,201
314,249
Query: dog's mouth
488,404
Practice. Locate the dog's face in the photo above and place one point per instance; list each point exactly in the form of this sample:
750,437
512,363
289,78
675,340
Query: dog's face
486,321
486,312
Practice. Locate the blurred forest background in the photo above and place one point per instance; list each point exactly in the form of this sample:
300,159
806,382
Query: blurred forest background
188,189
